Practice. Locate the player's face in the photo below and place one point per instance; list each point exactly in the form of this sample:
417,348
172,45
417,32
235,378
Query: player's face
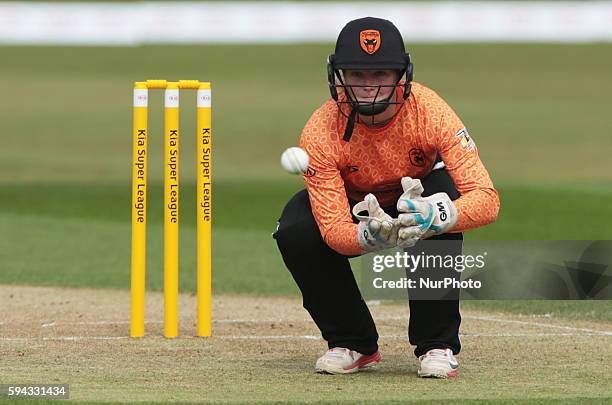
366,83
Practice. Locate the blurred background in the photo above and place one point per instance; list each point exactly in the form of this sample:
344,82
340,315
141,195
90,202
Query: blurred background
531,80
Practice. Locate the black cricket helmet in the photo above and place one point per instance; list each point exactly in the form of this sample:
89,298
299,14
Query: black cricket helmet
366,44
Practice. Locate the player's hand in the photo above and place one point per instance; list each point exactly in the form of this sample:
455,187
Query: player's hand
376,230
422,217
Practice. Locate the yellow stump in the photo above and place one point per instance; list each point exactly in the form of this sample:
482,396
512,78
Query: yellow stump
139,209
204,207
171,209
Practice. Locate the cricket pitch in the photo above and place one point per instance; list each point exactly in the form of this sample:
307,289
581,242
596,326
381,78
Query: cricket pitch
264,349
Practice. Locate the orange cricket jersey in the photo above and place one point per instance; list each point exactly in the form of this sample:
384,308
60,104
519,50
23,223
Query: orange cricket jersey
375,160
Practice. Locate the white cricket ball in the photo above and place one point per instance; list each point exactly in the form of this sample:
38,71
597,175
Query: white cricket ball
295,160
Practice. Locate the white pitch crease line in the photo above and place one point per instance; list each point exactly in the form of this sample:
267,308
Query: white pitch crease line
539,324
312,337
62,338
272,337
391,318
542,334
126,322
104,323
514,321
123,322
260,320
285,337
382,318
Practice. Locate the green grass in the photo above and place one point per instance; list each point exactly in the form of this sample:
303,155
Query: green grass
256,205
68,233
78,235
534,119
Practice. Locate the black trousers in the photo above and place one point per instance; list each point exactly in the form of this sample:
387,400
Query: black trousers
330,292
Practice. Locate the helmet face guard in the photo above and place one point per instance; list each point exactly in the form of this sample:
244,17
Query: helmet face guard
344,94
369,108
350,106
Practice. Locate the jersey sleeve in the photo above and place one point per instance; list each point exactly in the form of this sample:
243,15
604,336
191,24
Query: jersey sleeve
325,186
479,203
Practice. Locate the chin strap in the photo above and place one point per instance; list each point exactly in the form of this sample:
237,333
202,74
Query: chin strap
367,110
350,125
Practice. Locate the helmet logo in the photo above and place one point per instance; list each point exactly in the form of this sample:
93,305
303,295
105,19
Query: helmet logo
369,41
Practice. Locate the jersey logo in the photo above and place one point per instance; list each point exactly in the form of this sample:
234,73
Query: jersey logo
417,157
369,41
352,169
310,172
466,140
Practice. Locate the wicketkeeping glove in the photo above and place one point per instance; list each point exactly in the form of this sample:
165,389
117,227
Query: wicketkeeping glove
422,217
377,230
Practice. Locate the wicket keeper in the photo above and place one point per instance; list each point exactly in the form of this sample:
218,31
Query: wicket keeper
390,164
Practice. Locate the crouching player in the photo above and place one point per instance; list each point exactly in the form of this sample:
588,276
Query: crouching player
395,154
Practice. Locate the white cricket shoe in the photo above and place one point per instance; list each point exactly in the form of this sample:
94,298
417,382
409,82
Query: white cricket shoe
344,361
438,363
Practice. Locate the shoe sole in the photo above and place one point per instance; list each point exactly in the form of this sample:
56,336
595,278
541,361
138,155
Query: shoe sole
438,374
369,365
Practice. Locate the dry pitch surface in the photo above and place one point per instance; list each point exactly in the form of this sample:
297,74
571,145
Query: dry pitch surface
263,349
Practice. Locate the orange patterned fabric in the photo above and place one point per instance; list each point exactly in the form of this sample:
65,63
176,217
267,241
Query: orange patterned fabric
375,160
